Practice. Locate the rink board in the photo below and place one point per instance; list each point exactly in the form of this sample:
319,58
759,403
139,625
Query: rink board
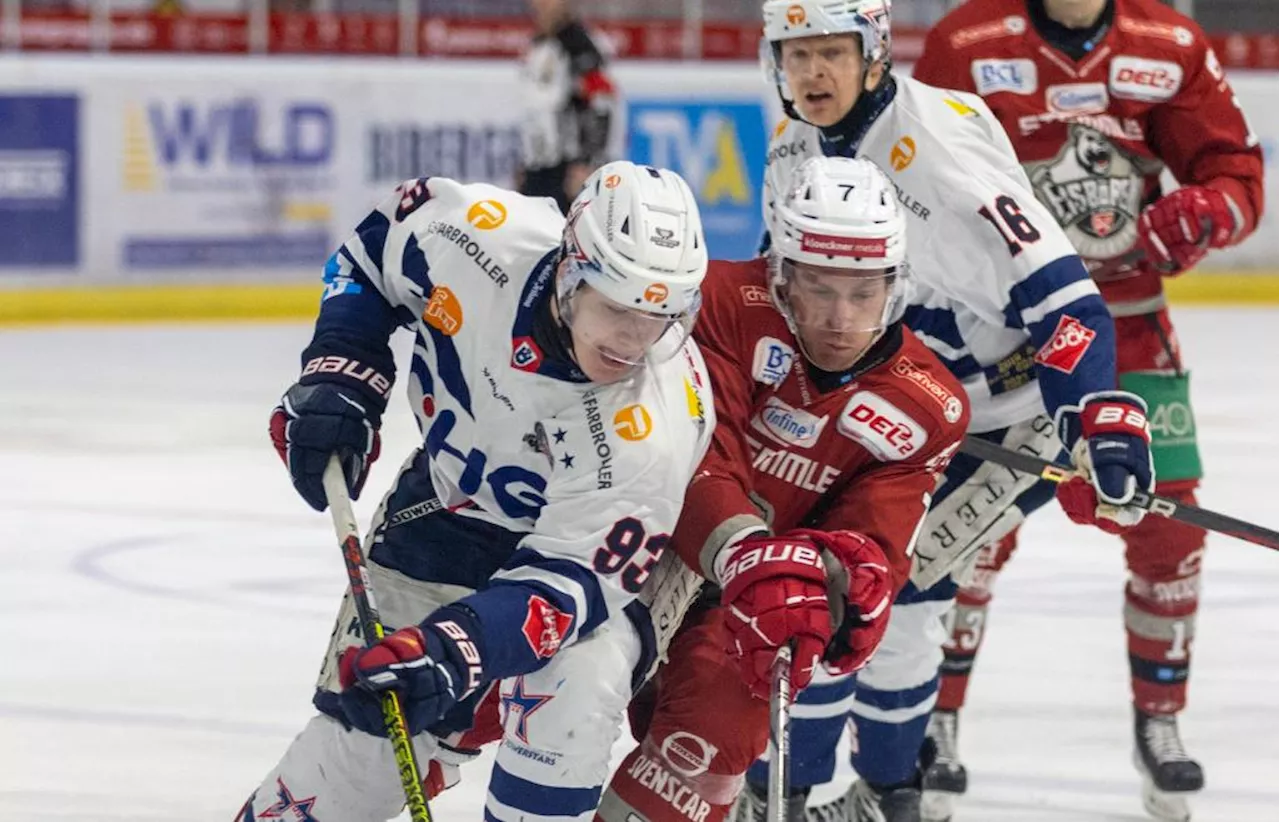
155,188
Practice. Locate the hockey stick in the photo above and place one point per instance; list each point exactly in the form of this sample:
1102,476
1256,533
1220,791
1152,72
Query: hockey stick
1152,504
344,525
779,737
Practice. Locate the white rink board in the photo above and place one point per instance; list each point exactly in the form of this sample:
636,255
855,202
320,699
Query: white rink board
214,169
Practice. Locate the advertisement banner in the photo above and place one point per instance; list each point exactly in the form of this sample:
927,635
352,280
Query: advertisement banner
718,146
39,181
204,169
224,180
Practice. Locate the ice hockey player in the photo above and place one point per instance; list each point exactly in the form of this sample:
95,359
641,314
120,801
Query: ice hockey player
1008,306
563,411
834,423
1098,97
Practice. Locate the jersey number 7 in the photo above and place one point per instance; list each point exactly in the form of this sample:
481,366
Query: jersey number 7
1013,225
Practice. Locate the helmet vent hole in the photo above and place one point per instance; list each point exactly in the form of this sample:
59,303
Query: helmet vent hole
626,227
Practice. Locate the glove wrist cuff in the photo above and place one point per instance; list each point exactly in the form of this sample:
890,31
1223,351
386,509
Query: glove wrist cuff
369,374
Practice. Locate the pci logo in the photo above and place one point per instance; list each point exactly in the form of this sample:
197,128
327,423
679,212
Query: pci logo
1148,81
1077,98
1013,76
787,425
881,427
39,180
715,145
208,144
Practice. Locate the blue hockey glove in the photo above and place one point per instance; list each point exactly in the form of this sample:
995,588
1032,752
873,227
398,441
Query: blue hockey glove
432,666
334,408
1112,451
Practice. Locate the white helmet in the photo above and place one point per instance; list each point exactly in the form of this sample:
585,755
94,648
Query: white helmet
636,236
792,19
840,213
869,19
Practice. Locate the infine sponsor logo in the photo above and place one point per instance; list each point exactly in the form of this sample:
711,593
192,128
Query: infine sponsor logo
1068,345
1149,81
1077,98
787,425
881,427
772,361
1013,76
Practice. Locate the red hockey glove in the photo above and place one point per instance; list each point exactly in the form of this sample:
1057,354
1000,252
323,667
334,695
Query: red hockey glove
775,592
1177,230
867,598
1113,453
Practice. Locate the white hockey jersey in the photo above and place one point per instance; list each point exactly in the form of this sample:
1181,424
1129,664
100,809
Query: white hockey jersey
1001,296
592,476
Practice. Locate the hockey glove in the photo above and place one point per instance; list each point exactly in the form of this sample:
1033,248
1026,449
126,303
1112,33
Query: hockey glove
432,665
1112,452
1177,230
774,593
864,592
335,408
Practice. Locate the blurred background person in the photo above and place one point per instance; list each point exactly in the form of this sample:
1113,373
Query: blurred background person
569,105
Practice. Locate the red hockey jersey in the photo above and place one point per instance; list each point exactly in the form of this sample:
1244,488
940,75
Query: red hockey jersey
1094,134
863,455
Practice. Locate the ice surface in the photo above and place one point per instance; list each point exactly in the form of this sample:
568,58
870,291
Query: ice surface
166,597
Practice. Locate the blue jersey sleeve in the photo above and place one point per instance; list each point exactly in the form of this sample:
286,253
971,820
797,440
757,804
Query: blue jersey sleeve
1070,328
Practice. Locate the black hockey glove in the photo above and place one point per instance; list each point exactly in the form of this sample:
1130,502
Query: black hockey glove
335,408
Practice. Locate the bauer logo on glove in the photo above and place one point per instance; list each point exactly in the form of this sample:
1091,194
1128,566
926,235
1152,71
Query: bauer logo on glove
1110,442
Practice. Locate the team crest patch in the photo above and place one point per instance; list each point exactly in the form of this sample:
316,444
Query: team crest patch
525,354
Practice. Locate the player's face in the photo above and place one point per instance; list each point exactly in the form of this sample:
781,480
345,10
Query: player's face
547,13
1075,14
610,340
824,74
838,313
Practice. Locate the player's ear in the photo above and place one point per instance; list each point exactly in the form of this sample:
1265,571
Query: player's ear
871,78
